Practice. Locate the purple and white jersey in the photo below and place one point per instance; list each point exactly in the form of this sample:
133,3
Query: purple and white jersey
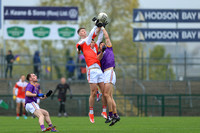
108,59
33,89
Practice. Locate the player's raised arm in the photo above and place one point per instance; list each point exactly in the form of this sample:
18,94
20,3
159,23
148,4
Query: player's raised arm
89,38
29,94
100,38
100,56
108,42
54,92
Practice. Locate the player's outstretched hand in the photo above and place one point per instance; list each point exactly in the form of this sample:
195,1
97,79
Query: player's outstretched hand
98,23
103,48
105,23
49,93
14,97
94,19
40,95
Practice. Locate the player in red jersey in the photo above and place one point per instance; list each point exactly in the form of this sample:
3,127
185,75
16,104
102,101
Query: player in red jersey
94,73
19,95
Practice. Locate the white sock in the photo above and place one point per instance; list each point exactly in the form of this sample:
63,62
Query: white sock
104,110
91,112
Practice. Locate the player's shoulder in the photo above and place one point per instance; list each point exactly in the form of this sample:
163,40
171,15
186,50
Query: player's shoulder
59,85
17,83
82,41
66,84
26,83
38,84
29,85
109,46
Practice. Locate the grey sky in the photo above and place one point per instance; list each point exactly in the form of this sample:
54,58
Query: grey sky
170,4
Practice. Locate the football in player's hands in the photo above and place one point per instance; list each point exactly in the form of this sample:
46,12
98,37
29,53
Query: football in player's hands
98,23
105,23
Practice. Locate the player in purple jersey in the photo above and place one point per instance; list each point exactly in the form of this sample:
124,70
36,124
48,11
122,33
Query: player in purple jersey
31,95
107,66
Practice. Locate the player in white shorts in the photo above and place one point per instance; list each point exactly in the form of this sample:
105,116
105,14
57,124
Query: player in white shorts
107,66
94,74
19,96
32,93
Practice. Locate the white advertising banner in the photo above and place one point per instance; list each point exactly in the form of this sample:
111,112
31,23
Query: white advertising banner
40,32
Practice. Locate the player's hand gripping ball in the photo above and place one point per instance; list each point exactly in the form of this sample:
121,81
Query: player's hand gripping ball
102,17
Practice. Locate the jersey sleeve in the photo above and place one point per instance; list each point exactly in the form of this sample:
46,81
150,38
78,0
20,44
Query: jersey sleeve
100,38
89,38
80,45
29,88
16,86
94,35
38,87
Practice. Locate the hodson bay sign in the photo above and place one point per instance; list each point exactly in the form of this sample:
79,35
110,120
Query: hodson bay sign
166,15
44,32
166,35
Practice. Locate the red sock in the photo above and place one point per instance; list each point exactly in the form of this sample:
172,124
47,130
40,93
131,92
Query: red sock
97,95
91,110
104,108
18,114
24,113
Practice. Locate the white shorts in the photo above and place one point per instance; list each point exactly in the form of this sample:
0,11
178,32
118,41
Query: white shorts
110,76
38,101
31,107
95,76
20,100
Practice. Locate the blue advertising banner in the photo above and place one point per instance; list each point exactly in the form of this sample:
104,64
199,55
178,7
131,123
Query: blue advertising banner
40,13
0,14
166,35
166,15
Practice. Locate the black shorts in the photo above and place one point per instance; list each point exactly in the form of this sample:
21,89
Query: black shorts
61,99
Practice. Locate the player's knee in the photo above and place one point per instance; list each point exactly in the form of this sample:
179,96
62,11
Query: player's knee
106,94
93,94
41,116
47,113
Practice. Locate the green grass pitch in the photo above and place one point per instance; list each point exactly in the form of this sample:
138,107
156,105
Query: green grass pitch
126,125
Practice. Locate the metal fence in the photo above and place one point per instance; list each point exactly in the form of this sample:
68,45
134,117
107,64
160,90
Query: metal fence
138,67
127,105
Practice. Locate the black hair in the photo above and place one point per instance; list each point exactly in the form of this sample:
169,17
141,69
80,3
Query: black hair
80,29
10,51
28,76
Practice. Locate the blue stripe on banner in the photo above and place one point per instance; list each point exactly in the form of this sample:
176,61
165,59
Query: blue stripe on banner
0,14
166,15
166,35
